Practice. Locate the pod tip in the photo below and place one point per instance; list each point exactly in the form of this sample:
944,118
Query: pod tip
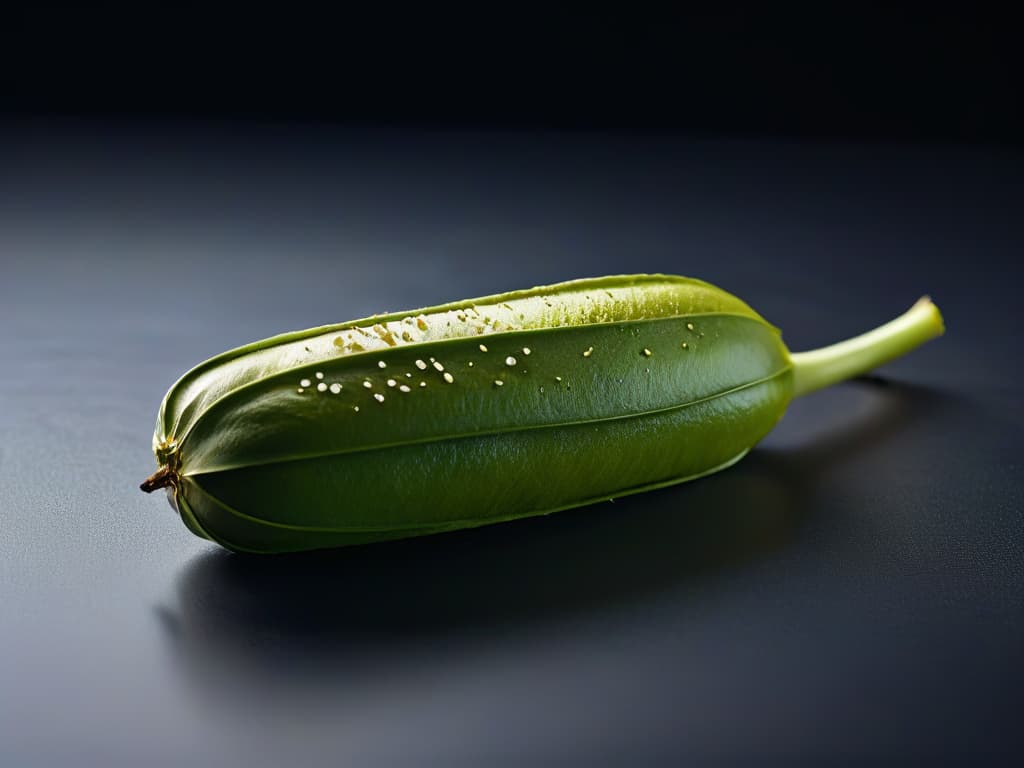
162,478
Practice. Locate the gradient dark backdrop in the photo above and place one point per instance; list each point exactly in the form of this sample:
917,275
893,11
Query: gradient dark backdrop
176,180
879,72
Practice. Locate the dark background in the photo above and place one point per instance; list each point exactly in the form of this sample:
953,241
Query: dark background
176,180
874,72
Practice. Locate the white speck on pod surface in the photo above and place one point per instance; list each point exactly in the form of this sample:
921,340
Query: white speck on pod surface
689,326
355,408
526,350
335,388
448,377
300,390
558,378
510,361
499,383
423,383
319,374
368,384
381,364
304,383
646,352
404,388
685,345
392,382
470,363
378,397
438,366
421,365
588,351
483,347
408,375
321,387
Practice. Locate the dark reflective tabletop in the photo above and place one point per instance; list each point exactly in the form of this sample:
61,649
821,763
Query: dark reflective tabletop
853,588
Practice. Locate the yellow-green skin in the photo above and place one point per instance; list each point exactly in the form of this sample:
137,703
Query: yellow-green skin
470,413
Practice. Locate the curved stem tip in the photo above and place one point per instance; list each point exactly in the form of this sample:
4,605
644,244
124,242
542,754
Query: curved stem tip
823,367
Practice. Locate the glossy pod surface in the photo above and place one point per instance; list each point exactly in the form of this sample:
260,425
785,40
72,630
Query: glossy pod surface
469,413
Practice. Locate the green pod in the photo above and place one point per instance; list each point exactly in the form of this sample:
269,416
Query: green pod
485,410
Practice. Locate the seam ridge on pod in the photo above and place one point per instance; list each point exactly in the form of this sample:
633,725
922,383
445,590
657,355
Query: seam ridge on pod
428,527
505,429
491,337
571,286
462,523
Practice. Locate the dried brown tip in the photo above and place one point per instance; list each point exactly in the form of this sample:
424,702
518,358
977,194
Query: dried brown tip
162,478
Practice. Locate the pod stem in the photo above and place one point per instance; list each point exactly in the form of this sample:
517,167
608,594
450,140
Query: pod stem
823,367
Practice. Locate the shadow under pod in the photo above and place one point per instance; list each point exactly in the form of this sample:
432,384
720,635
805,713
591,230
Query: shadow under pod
341,610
